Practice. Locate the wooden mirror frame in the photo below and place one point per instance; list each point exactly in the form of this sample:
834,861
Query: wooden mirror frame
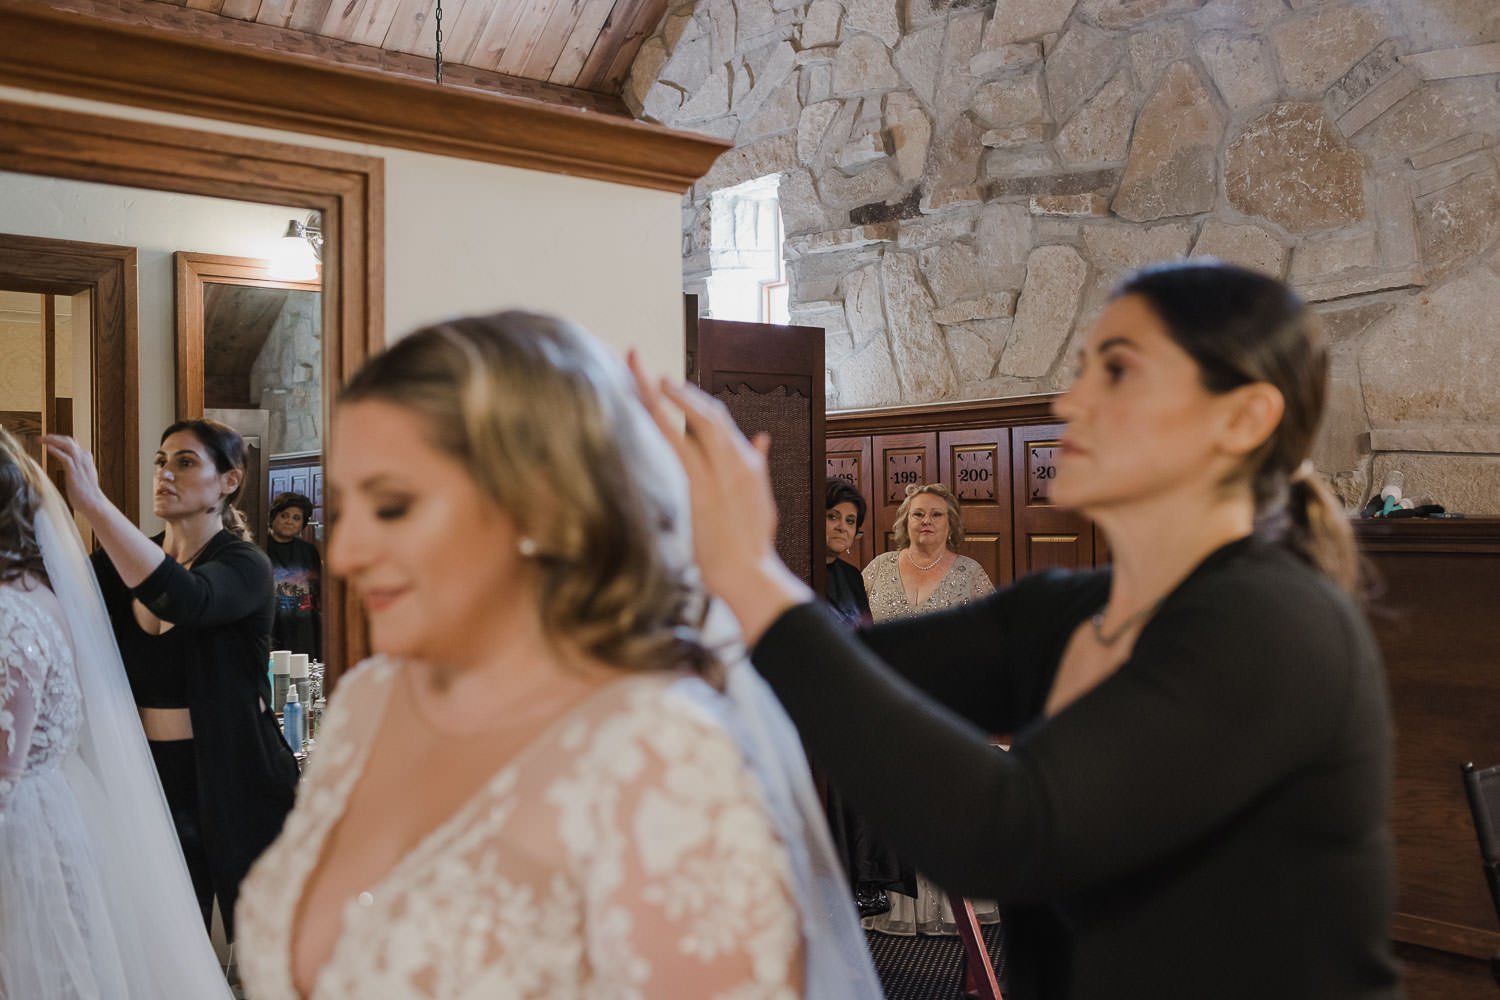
347,189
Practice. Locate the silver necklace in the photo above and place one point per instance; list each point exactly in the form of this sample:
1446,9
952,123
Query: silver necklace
1096,620
912,559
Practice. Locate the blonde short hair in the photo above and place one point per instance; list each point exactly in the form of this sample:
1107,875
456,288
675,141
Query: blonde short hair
529,402
955,515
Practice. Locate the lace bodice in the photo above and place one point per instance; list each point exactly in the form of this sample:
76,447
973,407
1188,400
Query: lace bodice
964,581
626,853
40,704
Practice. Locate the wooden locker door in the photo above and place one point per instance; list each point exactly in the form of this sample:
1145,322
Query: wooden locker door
849,459
771,379
898,461
1046,535
975,465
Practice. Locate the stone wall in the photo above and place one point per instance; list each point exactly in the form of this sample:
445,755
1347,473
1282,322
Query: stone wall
963,182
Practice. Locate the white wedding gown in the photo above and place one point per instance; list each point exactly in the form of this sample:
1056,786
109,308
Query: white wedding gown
56,938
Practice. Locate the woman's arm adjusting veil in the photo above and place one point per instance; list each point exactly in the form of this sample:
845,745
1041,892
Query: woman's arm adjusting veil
154,916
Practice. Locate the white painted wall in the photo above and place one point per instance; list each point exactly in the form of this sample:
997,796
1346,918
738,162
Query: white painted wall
460,236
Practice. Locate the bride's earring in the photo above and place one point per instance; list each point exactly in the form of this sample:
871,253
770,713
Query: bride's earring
526,546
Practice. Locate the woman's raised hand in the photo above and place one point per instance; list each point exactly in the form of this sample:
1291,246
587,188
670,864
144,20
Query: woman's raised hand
78,469
734,513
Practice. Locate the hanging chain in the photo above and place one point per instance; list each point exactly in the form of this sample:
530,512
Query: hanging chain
437,59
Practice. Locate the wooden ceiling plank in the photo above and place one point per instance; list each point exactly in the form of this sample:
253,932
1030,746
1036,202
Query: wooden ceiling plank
528,29
622,20
648,16
580,43
375,21
212,6
275,12
241,10
462,30
413,26
60,51
308,15
497,33
549,44
343,19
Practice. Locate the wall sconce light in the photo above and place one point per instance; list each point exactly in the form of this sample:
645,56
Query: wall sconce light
296,255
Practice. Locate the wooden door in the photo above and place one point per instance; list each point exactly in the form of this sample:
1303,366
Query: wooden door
976,466
1045,534
771,379
898,461
849,459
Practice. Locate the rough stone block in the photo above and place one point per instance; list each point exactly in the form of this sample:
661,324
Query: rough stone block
1023,20
812,128
1315,259
1317,49
1459,221
943,199
1116,250
1088,205
863,66
990,306
1340,444
921,362
744,163
917,59
1153,50
1018,101
777,114
1078,66
1064,182
1114,14
816,83
1420,121
1451,440
1350,283
1173,166
1011,163
841,239
1347,323
1443,152
955,84
801,209
975,346
875,17
930,229
1015,135
860,152
952,271
1292,167
1241,68
1248,246
1241,14
954,154
886,211
1437,24
910,134
1003,237
1004,57
864,309
1445,64
1100,131
1044,312
866,378
820,26
711,100
1381,98
1365,74
1467,484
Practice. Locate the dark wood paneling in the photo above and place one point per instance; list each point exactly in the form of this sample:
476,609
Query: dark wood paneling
849,459
975,465
66,53
766,359
1047,536
896,462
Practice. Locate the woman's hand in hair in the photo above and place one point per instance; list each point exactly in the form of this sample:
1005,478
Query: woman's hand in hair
79,472
734,513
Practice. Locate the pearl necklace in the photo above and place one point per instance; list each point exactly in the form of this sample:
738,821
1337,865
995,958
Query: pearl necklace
912,559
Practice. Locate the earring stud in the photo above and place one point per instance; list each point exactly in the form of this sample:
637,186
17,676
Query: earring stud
526,546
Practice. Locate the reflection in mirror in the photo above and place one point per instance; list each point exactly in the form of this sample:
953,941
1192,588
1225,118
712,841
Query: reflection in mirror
250,355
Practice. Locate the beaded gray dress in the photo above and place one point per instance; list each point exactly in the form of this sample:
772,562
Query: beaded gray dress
928,912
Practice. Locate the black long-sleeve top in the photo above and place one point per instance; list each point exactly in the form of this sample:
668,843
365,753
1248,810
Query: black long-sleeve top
1209,821
221,611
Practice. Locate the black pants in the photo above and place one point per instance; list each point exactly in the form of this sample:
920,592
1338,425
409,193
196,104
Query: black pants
178,769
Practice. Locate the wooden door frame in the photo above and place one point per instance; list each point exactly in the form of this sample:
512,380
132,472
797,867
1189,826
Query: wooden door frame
348,190
108,274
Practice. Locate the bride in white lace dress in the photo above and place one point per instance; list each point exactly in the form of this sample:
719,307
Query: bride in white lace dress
94,897
547,783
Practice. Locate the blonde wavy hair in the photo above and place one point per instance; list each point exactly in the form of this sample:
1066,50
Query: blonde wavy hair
20,498
902,537
527,402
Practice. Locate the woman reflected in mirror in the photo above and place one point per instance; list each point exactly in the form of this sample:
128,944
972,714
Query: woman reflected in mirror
192,611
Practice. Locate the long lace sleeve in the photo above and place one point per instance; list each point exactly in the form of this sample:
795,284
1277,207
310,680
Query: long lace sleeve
687,886
22,673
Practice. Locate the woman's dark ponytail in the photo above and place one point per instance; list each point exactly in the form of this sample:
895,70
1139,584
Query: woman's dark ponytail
1318,529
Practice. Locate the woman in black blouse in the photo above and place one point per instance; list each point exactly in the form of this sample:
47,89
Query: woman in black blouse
1196,801
192,611
844,516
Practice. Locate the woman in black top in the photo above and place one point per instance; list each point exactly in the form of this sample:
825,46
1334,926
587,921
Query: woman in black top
844,516
1196,801
192,611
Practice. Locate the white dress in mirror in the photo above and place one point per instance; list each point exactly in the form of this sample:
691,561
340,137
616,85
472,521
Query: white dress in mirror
95,902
